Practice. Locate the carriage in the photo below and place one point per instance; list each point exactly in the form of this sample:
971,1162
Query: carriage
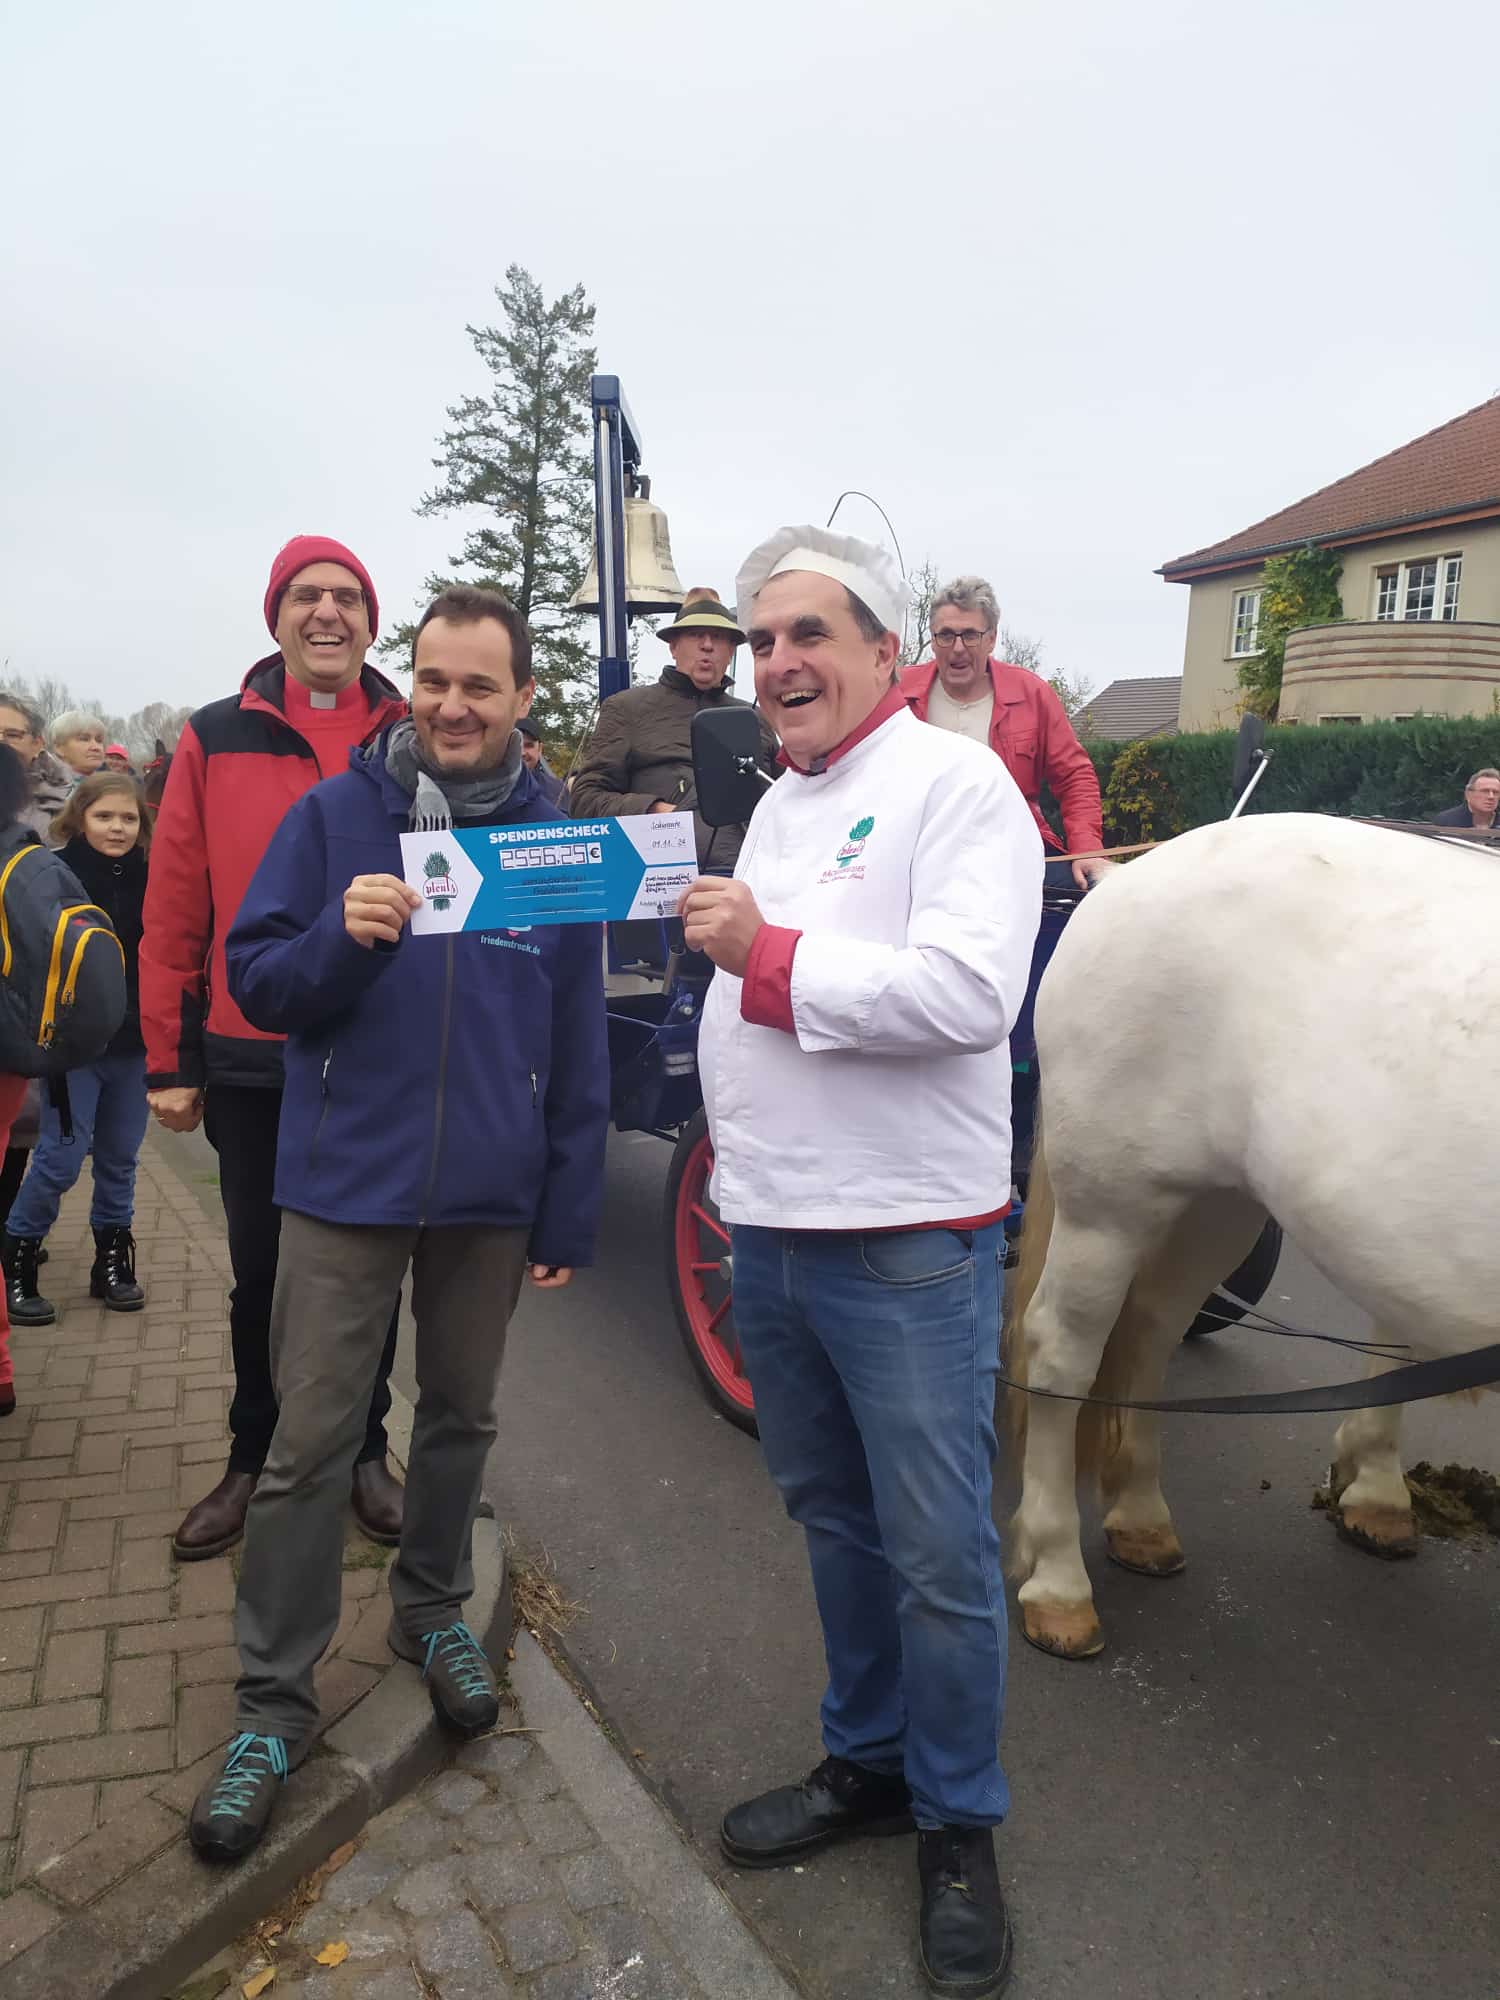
653,1030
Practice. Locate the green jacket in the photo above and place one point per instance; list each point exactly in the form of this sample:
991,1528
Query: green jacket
642,750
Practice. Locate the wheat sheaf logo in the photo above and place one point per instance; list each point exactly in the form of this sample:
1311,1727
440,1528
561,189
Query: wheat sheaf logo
854,846
439,887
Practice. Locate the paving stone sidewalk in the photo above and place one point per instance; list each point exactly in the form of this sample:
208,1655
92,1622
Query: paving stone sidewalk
116,1663
490,1883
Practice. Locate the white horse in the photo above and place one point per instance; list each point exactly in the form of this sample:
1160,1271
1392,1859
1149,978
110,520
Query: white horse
1289,1015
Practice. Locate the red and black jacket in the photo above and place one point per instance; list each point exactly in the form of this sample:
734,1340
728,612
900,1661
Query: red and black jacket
239,766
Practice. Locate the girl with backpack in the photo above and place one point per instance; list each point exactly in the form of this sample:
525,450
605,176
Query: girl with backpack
104,834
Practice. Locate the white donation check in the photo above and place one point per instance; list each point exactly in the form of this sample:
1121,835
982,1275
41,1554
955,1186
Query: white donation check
573,871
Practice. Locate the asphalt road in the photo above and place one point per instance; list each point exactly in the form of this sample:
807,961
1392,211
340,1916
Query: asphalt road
1282,1777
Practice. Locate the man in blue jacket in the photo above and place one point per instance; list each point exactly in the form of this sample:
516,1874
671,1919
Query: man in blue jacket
445,1111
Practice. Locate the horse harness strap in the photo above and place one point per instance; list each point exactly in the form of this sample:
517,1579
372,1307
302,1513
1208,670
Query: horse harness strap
1478,1368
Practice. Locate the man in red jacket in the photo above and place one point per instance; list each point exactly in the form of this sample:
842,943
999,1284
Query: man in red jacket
966,689
240,764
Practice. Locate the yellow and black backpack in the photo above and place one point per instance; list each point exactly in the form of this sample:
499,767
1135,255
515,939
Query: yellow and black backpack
62,969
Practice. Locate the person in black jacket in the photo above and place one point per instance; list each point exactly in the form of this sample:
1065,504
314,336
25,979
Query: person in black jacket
104,835
1481,806
14,830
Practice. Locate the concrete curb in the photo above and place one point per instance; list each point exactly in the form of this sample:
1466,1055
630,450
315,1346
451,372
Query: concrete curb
701,1925
158,1926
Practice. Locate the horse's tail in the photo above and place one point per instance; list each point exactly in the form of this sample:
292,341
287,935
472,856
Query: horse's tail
1100,1427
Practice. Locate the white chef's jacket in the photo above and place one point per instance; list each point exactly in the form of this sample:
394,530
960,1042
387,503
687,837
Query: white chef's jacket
912,867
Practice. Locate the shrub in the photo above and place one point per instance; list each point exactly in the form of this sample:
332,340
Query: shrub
1376,770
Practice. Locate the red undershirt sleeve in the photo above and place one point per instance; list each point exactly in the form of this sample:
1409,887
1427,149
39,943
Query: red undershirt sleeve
766,993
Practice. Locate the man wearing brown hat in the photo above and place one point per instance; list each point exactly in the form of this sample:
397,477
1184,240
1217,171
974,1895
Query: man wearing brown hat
640,756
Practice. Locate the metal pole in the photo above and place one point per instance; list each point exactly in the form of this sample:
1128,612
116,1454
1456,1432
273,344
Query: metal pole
609,536
1255,777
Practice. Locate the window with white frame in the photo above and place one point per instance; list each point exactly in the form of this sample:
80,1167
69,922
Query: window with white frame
1327,719
1425,588
1242,642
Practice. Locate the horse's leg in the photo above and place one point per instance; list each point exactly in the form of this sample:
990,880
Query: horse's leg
1205,1244
1372,1507
1066,1328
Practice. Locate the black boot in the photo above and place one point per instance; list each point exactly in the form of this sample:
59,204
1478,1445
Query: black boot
966,1937
835,1802
27,1306
113,1275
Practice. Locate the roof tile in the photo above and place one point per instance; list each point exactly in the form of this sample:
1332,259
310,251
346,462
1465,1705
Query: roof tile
1451,470
1128,709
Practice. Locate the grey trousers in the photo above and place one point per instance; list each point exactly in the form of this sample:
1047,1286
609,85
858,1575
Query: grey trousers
334,1285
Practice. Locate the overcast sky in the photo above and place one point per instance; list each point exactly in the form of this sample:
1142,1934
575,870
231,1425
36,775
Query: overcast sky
1070,289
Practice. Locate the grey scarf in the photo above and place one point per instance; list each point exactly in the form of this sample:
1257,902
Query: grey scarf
437,797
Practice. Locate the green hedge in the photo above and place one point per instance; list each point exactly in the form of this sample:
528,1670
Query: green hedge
1387,770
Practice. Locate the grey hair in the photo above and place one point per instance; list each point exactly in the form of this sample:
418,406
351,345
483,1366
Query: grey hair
76,722
1489,771
970,593
32,717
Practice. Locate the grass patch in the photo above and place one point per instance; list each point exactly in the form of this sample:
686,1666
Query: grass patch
360,1553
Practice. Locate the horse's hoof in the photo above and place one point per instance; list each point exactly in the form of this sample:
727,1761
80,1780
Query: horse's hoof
1148,1551
1067,1631
1389,1532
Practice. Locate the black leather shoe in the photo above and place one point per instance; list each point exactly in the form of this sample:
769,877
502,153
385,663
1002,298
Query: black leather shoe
217,1522
377,1497
835,1802
965,1928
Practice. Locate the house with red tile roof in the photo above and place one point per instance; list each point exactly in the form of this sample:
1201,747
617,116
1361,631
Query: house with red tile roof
1418,533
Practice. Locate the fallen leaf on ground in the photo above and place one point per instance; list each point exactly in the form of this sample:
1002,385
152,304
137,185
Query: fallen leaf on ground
253,1988
332,1954
338,1857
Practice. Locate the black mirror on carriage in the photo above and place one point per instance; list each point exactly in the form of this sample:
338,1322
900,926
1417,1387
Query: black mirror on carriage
1247,752
727,774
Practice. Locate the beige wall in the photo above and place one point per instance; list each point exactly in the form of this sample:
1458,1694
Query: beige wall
1385,669
1210,692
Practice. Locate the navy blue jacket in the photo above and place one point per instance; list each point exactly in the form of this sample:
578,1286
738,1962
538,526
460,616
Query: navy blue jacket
459,1079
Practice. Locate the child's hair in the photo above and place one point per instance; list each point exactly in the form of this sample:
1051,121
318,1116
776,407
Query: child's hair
88,792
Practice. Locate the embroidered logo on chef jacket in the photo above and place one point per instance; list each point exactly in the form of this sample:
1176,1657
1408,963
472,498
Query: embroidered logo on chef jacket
845,868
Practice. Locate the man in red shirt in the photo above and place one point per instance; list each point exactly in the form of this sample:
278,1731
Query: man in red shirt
964,688
239,766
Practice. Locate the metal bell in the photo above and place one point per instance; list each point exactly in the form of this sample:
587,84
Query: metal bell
651,582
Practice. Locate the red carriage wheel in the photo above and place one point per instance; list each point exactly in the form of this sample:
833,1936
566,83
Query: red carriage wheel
700,1278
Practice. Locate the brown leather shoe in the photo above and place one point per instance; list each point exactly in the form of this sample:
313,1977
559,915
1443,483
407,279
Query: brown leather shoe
378,1497
218,1520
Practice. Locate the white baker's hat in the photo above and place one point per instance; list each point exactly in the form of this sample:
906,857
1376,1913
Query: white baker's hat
862,567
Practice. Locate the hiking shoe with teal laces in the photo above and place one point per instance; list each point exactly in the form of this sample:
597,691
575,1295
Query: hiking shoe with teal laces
233,1809
460,1680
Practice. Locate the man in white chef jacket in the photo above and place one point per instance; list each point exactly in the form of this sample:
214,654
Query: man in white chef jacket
873,950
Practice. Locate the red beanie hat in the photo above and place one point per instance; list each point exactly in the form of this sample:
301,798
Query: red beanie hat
300,553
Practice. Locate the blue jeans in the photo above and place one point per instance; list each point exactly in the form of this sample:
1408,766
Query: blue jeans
108,1102
874,1361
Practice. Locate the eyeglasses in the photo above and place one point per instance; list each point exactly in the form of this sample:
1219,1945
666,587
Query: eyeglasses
948,638
347,596
15,735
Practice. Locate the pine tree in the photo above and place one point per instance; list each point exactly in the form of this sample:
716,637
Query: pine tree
521,455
